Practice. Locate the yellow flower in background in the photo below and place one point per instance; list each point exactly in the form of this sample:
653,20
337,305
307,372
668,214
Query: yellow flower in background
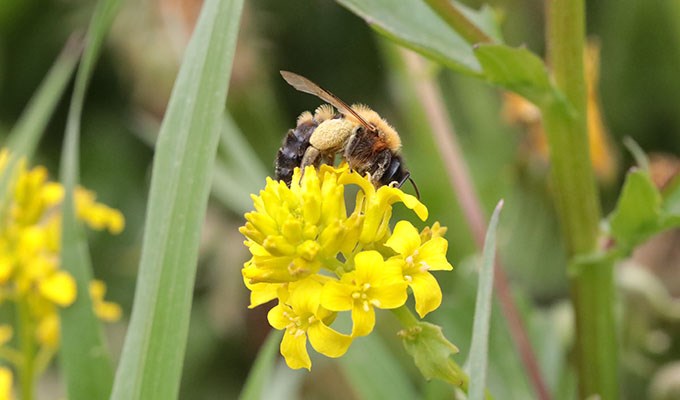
6,379
30,245
317,259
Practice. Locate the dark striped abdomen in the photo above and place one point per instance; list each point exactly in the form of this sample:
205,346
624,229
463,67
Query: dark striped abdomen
293,149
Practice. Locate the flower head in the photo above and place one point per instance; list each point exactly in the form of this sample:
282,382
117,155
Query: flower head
30,242
417,258
319,260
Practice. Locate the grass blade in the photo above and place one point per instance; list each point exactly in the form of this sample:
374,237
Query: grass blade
83,354
261,372
479,347
153,352
25,135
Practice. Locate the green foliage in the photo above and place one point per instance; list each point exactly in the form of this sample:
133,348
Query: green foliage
83,354
431,352
414,25
372,354
260,373
642,211
150,365
515,69
479,348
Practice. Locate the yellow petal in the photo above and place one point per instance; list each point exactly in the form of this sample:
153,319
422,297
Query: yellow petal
389,296
60,288
294,350
6,384
368,266
363,319
433,254
278,316
405,238
426,292
305,296
327,341
337,296
47,332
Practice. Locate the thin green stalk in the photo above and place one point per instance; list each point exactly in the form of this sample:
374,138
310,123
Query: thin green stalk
26,369
458,21
578,203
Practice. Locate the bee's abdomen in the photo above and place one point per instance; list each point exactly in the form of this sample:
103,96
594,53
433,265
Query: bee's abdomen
293,149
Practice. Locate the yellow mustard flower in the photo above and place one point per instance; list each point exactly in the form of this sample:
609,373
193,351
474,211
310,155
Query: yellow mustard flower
30,243
6,379
373,283
105,310
417,258
302,317
317,259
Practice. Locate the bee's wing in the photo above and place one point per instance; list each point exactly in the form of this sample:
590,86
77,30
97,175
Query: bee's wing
305,85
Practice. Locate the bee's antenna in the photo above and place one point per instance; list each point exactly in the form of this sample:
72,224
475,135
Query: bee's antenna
414,187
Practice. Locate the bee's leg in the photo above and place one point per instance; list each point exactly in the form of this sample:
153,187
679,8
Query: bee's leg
312,156
377,170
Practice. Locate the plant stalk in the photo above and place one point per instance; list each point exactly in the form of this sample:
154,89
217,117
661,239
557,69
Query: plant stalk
26,368
458,21
577,201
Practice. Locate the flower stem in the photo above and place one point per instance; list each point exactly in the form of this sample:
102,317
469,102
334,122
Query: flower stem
578,203
26,369
458,21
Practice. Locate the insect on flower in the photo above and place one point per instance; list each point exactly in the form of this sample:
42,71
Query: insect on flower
364,140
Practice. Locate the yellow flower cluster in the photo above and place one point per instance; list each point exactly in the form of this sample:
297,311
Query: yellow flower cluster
318,260
30,274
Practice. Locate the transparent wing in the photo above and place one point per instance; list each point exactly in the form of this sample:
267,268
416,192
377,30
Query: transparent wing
305,85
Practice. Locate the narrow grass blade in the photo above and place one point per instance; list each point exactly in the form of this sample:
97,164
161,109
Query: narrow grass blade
479,347
153,353
25,135
83,354
263,368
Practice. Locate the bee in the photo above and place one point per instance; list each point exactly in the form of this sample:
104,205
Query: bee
364,140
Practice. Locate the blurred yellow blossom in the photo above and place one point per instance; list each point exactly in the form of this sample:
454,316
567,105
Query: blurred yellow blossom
317,260
6,384
30,274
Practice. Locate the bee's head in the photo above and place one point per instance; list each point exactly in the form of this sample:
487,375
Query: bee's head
397,172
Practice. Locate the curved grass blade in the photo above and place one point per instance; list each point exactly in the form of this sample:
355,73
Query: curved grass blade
479,348
263,368
25,135
83,354
151,363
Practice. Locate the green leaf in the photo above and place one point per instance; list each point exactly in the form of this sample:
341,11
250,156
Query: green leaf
374,373
479,348
431,352
413,24
239,172
26,133
637,212
24,136
260,374
515,69
83,354
151,362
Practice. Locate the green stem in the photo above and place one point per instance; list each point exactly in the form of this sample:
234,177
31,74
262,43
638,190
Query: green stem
578,203
459,22
26,369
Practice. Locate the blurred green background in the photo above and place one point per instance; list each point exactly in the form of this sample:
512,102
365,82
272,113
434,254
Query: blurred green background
640,96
